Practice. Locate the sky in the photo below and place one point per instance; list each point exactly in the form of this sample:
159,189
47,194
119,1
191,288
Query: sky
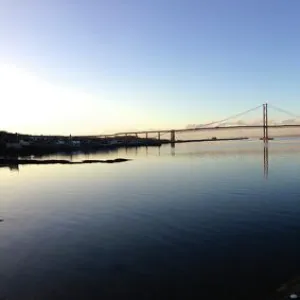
94,66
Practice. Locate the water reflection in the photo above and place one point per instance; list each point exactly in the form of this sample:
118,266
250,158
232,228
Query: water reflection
266,161
14,168
216,150
173,151
194,221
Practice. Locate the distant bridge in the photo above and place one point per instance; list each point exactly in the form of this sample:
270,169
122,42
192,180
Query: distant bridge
202,129
215,126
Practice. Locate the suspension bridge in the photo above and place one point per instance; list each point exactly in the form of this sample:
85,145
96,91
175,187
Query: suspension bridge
224,124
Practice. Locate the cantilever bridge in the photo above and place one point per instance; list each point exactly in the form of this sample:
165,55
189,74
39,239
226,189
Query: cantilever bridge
224,125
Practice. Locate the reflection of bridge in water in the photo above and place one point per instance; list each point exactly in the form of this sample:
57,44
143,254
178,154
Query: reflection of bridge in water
266,161
221,125
213,153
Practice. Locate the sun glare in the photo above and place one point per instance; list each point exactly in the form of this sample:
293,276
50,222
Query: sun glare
30,104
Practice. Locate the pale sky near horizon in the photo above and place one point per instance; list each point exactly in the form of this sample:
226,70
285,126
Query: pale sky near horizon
86,67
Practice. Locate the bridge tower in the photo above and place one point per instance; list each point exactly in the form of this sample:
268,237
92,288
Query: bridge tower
265,123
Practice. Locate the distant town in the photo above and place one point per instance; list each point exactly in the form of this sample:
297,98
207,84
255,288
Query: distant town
16,143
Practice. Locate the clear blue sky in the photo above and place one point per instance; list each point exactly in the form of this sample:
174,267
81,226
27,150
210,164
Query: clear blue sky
136,64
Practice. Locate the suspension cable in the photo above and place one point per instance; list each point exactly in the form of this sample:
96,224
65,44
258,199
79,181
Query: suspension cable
232,117
284,111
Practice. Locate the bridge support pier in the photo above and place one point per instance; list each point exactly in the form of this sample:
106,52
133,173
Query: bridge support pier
146,135
158,137
172,136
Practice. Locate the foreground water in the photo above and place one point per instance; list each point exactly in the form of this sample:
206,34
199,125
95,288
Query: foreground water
216,220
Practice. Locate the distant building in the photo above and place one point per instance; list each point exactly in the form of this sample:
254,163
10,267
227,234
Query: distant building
24,143
9,137
76,143
13,146
115,142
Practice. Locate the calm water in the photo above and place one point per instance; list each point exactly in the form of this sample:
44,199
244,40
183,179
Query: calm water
198,220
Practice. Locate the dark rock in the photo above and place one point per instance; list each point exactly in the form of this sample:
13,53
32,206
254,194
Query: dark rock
5,162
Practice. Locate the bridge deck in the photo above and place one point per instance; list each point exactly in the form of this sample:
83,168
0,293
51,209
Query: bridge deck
201,129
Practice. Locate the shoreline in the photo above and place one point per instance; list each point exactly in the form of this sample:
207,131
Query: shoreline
211,140
41,150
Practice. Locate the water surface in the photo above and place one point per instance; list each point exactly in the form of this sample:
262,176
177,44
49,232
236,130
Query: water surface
201,219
